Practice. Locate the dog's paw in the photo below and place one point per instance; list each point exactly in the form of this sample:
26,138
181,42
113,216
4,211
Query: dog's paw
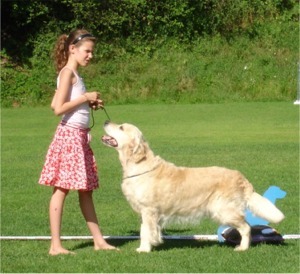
157,242
240,248
143,250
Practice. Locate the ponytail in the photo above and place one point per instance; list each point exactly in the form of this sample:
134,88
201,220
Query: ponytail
61,52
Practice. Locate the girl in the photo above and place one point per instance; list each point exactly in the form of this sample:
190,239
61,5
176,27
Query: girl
70,163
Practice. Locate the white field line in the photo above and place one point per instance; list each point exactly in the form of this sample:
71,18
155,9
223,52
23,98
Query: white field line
192,237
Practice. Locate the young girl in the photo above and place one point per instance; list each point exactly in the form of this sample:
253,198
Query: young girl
70,163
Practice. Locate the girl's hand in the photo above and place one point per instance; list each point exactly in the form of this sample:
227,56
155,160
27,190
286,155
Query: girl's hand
94,100
92,96
97,104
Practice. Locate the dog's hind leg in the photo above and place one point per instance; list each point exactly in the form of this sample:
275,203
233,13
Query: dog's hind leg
150,231
237,221
245,232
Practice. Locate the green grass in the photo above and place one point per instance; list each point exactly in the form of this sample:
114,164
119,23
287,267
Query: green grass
259,139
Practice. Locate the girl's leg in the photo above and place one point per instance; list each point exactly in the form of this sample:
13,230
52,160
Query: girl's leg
89,213
55,213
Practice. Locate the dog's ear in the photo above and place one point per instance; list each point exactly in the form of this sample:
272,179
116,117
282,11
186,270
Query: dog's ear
139,150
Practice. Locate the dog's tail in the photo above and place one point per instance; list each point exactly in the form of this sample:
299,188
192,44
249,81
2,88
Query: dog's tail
263,208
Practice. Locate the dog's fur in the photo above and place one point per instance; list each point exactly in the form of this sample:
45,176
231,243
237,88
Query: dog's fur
160,191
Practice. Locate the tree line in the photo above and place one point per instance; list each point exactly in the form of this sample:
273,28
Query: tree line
118,21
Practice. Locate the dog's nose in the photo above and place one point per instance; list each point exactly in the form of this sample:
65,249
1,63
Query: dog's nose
106,122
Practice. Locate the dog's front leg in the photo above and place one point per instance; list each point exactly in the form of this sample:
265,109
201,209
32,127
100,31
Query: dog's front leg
149,231
145,245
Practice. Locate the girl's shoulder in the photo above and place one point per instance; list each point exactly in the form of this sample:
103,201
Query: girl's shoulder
68,73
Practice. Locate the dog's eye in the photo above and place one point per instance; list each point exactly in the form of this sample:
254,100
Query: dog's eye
121,127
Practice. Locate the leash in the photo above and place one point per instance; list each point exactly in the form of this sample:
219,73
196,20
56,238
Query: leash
106,113
93,118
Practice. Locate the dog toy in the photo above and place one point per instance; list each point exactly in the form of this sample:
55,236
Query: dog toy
260,231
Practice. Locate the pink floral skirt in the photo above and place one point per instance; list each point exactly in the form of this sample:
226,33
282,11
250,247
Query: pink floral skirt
70,162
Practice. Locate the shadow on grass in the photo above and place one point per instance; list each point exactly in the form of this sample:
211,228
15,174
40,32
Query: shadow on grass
117,243
179,243
169,244
166,245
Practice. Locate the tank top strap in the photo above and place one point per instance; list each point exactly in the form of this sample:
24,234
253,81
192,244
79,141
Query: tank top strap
75,73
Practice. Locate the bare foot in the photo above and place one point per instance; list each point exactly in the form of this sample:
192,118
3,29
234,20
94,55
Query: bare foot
60,250
105,246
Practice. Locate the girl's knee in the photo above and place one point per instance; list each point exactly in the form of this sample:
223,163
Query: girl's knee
83,194
59,190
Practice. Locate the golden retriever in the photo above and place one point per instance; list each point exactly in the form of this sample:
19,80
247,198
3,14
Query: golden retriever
161,192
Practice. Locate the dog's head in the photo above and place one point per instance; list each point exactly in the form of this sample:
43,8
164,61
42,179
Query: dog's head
125,138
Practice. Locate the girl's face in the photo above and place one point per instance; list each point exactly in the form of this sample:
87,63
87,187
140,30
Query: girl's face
83,53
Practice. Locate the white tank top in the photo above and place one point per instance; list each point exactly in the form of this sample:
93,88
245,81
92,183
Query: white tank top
79,117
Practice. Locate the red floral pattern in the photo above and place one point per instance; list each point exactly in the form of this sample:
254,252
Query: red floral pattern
70,162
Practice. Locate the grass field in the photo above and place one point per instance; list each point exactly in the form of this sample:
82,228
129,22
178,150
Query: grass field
259,139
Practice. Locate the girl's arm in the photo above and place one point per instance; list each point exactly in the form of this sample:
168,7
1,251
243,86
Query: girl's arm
61,103
53,100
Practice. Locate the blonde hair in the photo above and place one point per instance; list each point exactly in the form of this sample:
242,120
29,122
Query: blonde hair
61,49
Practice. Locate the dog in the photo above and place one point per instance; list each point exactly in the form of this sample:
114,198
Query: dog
161,192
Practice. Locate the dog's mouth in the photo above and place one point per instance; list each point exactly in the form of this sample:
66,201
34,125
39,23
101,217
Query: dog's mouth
109,141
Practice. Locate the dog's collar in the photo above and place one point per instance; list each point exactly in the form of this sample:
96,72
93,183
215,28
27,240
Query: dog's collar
135,175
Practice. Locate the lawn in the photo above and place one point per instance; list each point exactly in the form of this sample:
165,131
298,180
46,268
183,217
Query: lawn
259,139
